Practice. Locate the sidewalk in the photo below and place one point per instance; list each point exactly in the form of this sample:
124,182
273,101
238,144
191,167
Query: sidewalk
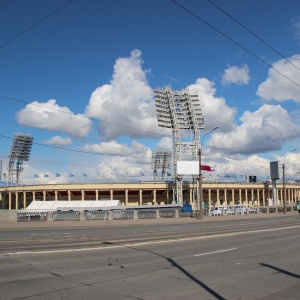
44,225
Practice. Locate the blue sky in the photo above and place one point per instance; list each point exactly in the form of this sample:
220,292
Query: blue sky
80,78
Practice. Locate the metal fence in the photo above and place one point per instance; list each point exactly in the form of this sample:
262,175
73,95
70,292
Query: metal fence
122,214
65,215
23,216
96,215
146,214
167,213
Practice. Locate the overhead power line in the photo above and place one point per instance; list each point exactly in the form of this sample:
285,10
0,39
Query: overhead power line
259,38
35,24
233,41
4,4
81,116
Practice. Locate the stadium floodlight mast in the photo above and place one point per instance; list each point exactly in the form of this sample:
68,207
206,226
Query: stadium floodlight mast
179,110
283,179
19,151
161,159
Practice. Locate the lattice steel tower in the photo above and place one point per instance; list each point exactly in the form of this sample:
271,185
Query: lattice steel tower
161,159
19,152
180,110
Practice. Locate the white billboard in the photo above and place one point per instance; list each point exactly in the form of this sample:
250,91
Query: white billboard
188,167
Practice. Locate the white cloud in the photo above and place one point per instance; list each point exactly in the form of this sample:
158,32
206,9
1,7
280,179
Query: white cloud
127,100
236,75
215,110
260,132
59,141
51,116
166,143
296,25
276,86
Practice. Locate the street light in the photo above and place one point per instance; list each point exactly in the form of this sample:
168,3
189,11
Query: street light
283,179
200,175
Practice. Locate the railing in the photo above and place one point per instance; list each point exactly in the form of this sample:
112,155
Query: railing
146,214
65,215
26,216
96,215
167,213
122,214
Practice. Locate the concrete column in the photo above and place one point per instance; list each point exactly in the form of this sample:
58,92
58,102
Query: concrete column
258,198
157,216
110,215
97,195
176,213
69,195
141,197
82,195
154,196
225,197
268,192
111,195
24,200
218,197
81,216
44,195
264,199
232,197
246,197
9,200
33,196
55,195
240,196
17,200
126,197
191,196
252,196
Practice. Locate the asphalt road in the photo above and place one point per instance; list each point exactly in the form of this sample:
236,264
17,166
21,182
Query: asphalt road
235,259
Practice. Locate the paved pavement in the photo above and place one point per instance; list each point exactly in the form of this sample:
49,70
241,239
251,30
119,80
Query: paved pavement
10,225
291,292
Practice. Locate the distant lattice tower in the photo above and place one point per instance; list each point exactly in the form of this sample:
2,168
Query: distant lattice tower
180,110
19,151
161,160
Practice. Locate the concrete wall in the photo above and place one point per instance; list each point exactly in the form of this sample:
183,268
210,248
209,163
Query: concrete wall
8,215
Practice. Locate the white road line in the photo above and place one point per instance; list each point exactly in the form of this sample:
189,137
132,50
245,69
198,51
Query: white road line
208,253
148,243
55,233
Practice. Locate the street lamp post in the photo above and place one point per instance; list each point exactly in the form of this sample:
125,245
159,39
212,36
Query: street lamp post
283,181
200,175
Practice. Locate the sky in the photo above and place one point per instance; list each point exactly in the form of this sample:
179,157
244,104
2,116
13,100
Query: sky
79,76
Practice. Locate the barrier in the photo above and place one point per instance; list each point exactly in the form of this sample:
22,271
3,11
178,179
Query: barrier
122,214
96,215
146,214
27,216
167,213
65,215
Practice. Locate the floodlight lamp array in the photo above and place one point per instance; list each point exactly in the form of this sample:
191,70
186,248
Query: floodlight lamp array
161,160
181,107
21,147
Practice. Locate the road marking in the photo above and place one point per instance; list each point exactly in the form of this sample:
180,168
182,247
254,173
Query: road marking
208,253
148,243
55,233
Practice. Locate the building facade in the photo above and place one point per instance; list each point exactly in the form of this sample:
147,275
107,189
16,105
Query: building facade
250,194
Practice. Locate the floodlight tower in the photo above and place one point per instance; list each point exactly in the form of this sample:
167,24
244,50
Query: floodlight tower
161,159
19,152
179,110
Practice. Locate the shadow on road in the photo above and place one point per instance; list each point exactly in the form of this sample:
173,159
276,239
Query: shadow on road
185,272
281,270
